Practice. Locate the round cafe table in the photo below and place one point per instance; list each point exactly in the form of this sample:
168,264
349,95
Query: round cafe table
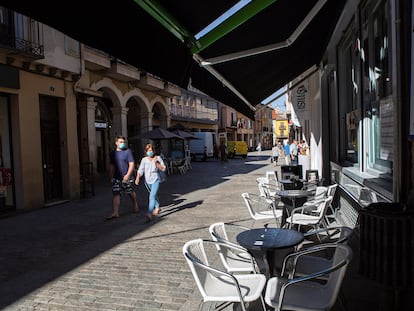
292,196
289,184
269,246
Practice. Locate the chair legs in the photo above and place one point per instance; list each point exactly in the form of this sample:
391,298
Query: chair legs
224,305
182,169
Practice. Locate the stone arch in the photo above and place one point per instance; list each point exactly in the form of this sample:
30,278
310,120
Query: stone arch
110,91
159,109
138,120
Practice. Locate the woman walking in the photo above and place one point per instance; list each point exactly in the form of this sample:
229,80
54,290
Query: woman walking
150,166
275,153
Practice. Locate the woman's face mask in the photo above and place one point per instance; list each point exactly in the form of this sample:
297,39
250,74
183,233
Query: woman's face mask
150,153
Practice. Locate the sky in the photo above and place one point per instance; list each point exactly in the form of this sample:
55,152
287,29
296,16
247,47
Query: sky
279,103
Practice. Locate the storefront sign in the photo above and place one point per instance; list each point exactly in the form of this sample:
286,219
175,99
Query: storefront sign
101,125
300,101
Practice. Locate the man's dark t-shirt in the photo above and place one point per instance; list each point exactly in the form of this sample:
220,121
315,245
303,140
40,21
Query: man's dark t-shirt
120,159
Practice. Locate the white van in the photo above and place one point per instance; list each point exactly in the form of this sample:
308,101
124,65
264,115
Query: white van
203,147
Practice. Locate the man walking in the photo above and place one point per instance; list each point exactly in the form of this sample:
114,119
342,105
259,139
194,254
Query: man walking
294,152
275,153
286,149
121,167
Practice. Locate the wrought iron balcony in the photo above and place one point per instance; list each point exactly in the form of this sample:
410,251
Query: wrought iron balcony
17,46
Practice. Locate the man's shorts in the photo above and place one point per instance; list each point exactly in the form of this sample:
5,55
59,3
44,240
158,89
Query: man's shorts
119,187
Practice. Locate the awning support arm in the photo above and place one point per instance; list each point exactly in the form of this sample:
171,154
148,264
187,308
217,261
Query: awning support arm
234,21
219,77
154,9
271,47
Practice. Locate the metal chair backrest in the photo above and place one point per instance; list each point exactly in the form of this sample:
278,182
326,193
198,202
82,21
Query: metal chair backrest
331,190
320,192
341,259
194,253
299,294
256,203
335,235
236,259
260,181
323,206
217,285
261,209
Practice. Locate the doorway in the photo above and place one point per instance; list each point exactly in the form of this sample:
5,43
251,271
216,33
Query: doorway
51,155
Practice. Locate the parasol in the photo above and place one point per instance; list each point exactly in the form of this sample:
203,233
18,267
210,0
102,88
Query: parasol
157,134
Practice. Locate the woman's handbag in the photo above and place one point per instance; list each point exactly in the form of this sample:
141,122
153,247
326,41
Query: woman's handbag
162,176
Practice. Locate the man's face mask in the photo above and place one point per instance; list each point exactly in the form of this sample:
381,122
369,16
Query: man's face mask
122,146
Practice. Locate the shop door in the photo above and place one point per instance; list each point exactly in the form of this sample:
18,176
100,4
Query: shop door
51,157
101,151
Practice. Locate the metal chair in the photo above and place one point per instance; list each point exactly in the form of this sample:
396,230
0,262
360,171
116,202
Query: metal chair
262,209
260,181
336,234
307,292
236,259
331,190
320,194
218,286
272,178
313,216
314,256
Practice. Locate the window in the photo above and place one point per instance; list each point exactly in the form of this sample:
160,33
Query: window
6,165
233,121
365,107
377,103
348,104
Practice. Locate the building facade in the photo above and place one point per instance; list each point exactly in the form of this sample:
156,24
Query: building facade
263,126
61,106
359,115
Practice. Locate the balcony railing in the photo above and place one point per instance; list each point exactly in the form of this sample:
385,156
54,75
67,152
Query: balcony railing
22,46
192,113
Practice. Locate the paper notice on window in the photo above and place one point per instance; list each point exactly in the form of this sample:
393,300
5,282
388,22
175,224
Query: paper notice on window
386,130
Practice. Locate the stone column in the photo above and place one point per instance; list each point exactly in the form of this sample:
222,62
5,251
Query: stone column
87,131
119,122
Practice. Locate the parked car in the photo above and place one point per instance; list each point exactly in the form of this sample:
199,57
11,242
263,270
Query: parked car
237,148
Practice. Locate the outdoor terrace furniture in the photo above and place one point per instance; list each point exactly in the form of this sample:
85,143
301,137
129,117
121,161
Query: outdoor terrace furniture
260,181
334,234
307,292
235,259
331,192
313,255
300,216
262,209
320,194
219,286
294,197
270,246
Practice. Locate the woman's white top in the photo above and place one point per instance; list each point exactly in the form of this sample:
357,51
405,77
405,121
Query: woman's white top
148,168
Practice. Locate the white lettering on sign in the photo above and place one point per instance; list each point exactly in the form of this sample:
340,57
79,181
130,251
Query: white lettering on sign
101,125
301,97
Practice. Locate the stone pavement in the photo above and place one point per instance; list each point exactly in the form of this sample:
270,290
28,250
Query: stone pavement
68,257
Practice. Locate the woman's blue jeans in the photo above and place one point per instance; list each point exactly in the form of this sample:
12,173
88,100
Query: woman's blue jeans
153,196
